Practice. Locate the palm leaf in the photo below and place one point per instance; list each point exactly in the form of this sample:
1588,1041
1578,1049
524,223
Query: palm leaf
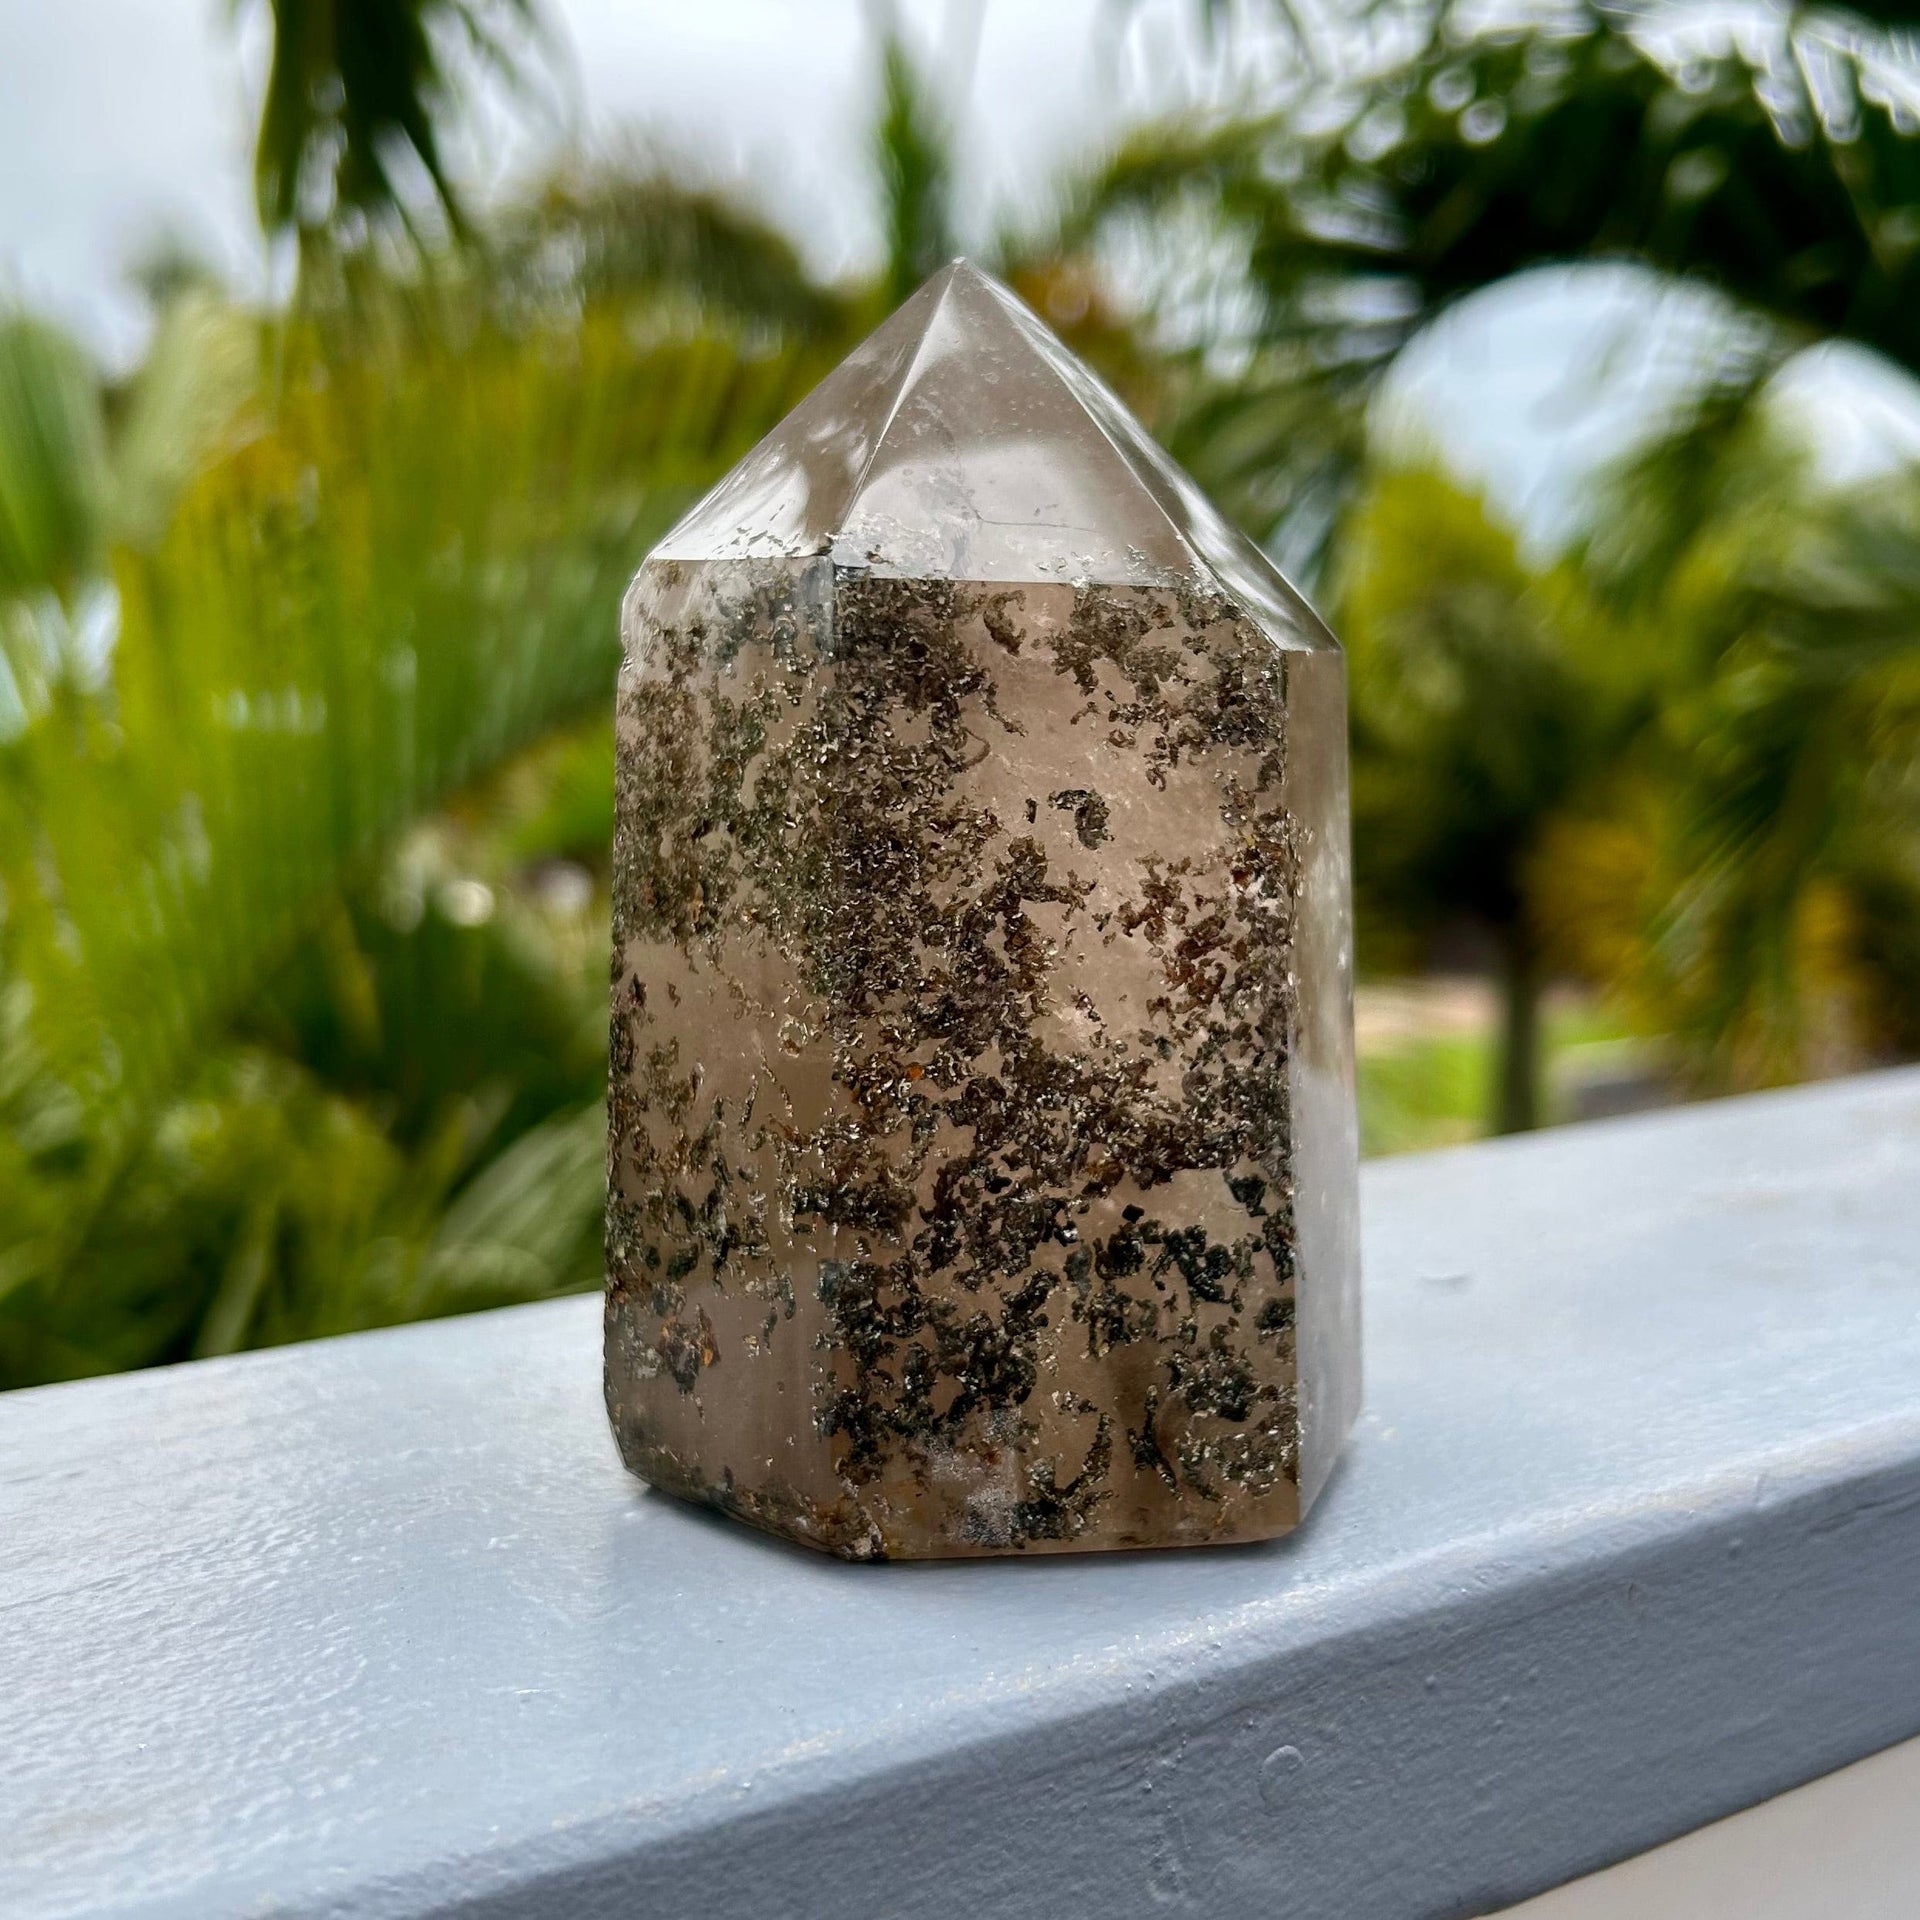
1796,785
1350,219
354,92
913,163
406,571
53,462
646,236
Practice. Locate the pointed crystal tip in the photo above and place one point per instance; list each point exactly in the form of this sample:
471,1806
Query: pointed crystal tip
962,439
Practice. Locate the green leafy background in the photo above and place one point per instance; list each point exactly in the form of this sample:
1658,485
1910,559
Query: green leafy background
308,626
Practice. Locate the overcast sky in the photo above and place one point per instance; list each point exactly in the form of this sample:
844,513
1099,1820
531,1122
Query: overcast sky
123,120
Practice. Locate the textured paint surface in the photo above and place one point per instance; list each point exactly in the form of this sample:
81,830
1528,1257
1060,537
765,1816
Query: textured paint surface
1628,1537
982,1154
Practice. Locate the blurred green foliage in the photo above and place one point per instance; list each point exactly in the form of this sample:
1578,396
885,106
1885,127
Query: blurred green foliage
301,956
1496,697
1724,656
307,628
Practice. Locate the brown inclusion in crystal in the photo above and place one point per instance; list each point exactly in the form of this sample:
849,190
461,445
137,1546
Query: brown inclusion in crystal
982,1129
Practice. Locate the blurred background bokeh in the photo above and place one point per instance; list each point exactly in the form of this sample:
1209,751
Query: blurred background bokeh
1563,353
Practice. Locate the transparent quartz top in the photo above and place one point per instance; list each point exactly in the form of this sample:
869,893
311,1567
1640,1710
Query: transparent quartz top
962,440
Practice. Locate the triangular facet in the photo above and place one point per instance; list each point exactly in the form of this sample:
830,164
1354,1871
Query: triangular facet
961,439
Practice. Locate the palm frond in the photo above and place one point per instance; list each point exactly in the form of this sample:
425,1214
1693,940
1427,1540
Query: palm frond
53,461
356,93
201,370
1711,465
1797,787
913,163
1486,153
404,572
643,232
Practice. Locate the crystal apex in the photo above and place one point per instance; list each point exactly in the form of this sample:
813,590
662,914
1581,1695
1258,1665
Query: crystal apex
962,439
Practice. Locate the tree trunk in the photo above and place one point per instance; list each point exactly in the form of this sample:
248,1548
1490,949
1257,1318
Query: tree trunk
1516,1091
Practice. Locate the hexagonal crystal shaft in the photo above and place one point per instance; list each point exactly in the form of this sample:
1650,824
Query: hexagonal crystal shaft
982,1144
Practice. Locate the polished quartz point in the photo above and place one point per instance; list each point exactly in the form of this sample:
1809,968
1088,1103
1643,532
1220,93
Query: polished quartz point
982,1161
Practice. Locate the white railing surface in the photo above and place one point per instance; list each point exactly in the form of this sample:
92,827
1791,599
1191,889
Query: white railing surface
1628,1538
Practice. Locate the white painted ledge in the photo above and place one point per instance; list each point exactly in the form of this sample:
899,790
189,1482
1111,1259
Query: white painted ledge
1627,1540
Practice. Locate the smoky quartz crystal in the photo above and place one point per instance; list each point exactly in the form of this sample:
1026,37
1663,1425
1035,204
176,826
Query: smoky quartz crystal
982,1123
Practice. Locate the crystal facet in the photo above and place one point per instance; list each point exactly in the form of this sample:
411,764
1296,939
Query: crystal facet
982,1130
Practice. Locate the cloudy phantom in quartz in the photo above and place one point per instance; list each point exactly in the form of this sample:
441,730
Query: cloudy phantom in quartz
982,1128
